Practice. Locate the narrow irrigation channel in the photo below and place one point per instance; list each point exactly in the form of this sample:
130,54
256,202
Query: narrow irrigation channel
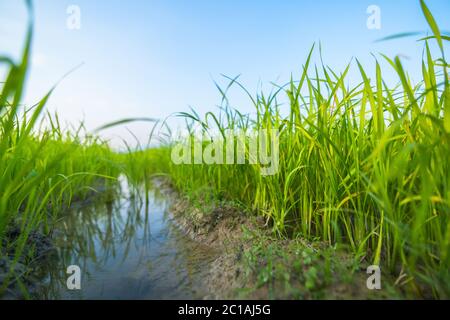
125,249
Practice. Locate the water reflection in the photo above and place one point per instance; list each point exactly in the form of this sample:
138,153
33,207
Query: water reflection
126,248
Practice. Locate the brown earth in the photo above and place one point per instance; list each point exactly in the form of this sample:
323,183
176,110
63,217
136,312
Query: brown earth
234,234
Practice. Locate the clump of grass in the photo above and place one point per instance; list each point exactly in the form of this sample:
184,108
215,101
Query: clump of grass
365,167
42,168
297,269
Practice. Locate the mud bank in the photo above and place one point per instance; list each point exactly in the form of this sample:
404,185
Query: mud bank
252,263
27,271
222,229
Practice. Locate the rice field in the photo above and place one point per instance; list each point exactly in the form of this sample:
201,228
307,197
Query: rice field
365,167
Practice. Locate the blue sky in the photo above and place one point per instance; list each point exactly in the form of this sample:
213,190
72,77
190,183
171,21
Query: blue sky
153,58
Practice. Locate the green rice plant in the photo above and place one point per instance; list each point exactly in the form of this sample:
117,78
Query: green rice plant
365,167
43,169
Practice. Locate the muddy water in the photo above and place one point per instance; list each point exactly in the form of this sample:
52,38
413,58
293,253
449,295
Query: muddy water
126,250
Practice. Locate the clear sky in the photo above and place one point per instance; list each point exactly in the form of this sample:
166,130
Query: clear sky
155,57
